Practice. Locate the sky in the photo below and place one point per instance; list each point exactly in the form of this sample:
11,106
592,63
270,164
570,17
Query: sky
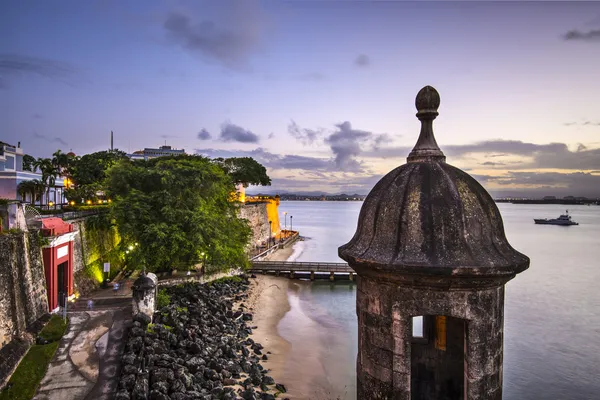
321,92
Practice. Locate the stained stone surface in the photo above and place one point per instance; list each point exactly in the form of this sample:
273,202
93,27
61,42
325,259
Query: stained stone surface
430,242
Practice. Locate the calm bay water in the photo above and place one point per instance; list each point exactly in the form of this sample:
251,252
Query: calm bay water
552,310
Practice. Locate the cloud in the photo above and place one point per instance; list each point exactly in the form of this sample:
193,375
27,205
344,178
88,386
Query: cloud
323,174
584,123
204,134
347,144
275,161
49,139
23,66
37,116
492,164
549,156
168,136
543,183
235,133
593,35
230,41
303,135
362,61
271,135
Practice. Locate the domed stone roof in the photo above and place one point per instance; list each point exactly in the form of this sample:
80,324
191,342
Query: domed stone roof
144,282
428,217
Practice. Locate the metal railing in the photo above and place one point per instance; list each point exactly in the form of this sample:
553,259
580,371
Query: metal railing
300,266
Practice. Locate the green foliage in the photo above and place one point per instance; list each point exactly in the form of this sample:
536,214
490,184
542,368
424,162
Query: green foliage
32,368
182,310
83,193
54,329
226,279
91,169
103,245
162,298
11,231
28,163
245,170
178,210
34,187
29,373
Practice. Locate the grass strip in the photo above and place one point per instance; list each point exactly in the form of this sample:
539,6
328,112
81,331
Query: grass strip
54,329
28,375
32,368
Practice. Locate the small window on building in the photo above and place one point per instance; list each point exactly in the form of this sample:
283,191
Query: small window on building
417,327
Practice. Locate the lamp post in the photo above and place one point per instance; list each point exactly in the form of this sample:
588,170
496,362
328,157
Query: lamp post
270,233
285,219
291,223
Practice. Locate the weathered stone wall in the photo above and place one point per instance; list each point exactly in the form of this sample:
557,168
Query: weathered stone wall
258,215
95,244
23,298
385,312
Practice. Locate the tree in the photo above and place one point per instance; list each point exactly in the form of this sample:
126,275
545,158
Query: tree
244,170
29,163
82,193
49,174
33,187
91,168
177,210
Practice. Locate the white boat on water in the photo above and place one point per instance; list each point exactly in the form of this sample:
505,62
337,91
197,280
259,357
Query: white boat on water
564,219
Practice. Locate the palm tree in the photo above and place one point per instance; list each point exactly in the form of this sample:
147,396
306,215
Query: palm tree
35,164
49,174
34,187
61,161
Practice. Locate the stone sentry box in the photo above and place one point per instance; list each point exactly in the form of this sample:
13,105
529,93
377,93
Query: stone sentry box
430,243
144,294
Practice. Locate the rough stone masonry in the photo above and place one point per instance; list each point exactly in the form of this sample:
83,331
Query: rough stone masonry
430,243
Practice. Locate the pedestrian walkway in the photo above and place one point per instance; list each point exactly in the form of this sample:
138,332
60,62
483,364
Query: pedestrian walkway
86,364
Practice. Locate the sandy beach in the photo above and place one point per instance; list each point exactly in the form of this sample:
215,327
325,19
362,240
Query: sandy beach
299,365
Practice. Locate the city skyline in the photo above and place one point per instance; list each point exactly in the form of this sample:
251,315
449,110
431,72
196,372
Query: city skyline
321,93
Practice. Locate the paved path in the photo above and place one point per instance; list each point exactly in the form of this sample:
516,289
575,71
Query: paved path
86,364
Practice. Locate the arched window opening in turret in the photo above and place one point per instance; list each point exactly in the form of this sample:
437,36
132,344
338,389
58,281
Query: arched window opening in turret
438,359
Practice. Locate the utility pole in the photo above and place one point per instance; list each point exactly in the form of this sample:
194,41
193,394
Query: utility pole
111,141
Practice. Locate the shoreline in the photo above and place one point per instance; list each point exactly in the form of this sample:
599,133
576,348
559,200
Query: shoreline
278,306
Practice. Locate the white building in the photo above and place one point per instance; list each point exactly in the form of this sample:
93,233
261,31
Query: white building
12,174
149,153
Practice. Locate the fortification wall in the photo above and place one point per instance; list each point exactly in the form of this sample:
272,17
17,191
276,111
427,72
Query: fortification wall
23,298
96,243
258,215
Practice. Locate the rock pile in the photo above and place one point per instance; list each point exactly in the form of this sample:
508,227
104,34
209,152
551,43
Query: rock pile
197,348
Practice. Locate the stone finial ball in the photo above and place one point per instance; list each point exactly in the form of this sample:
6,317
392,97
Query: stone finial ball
427,99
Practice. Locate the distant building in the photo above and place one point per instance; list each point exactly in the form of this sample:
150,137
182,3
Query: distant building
149,153
12,174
